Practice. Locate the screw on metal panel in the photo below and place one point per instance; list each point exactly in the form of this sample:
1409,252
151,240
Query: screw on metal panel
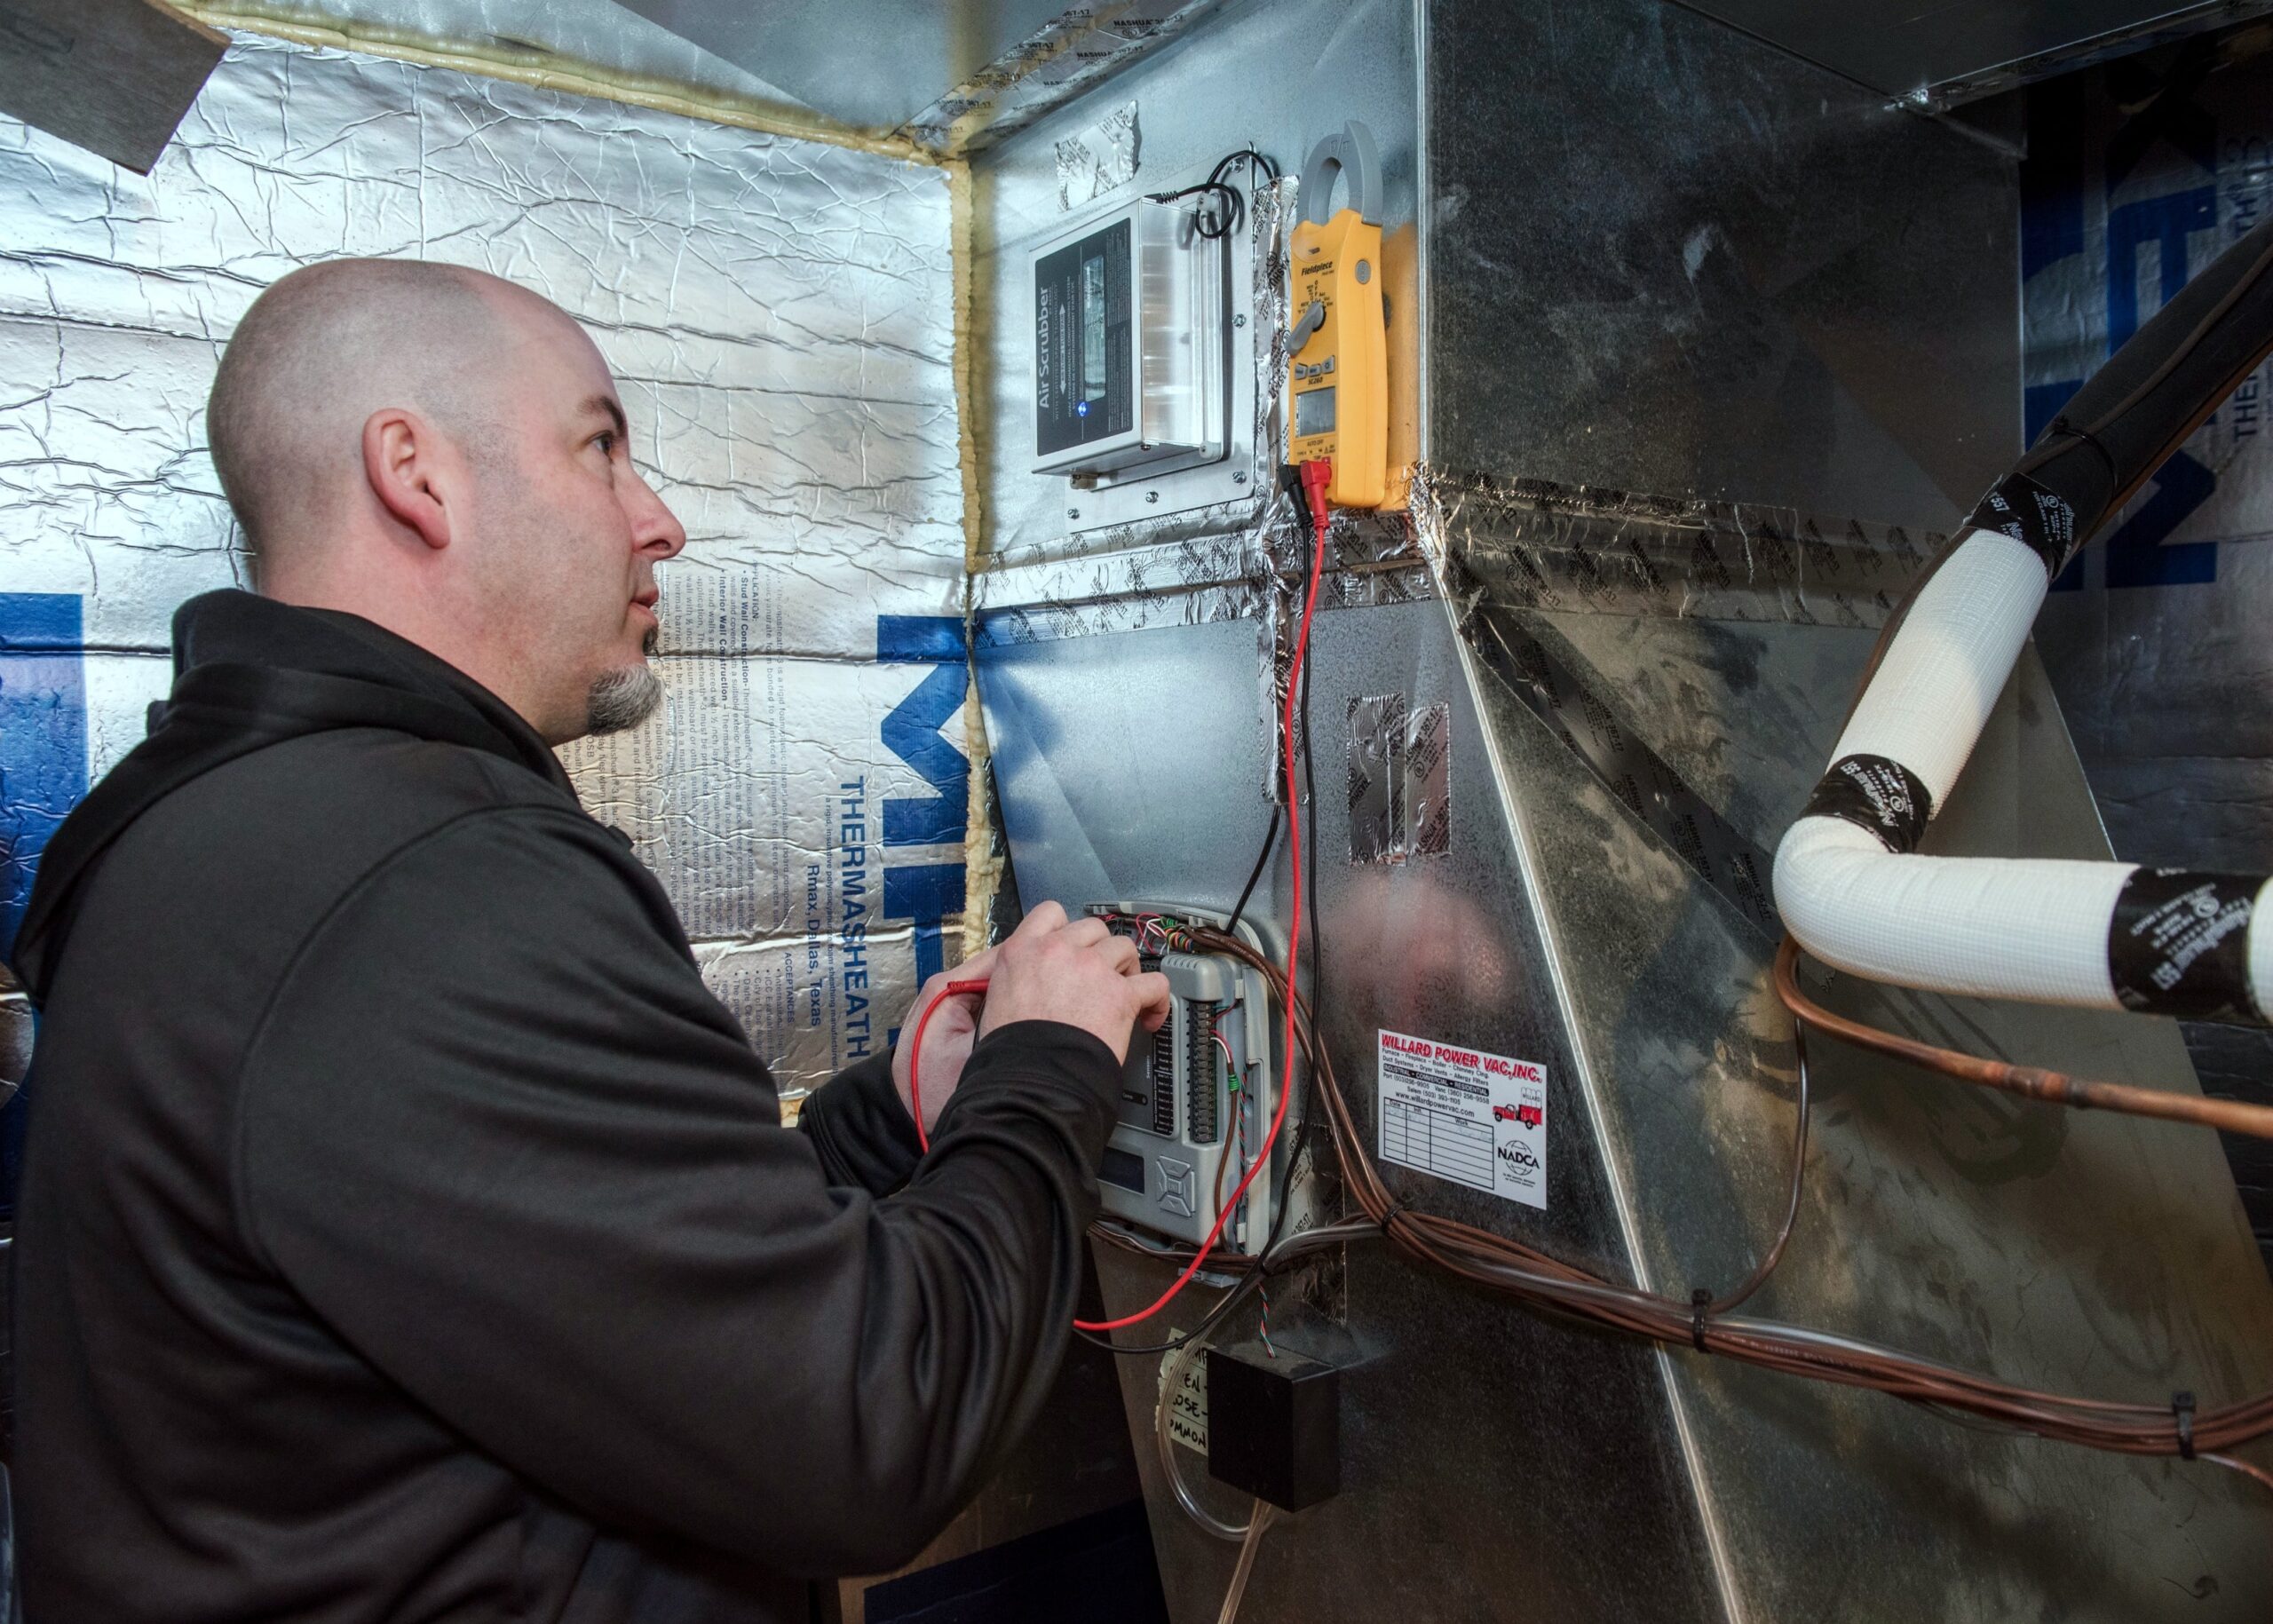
1073,513
1239,479
1151,495
1239,321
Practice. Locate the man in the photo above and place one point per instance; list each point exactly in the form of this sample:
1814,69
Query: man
406,1232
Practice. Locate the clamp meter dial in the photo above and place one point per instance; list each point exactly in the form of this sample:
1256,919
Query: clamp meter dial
1338,365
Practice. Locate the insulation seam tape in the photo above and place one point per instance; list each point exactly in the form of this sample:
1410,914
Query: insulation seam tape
1852,890
2018,507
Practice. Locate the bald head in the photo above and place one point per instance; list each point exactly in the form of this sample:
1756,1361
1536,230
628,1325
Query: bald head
328,345
445,454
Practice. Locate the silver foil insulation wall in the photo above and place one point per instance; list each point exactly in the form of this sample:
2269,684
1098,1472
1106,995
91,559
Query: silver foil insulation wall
779,315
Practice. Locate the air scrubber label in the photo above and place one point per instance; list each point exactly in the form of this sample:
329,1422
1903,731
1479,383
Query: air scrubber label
1476,1119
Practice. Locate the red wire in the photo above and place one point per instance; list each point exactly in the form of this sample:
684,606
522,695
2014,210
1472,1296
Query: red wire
914,1091
1315,476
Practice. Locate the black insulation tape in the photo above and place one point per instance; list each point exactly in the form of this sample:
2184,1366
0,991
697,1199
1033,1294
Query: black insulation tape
2179,944
1878,794
2019,507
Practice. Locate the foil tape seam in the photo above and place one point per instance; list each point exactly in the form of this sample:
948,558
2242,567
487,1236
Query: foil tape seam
1049,68
1536,544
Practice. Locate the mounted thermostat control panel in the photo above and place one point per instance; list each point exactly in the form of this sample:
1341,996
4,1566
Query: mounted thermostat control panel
1144,361
1129,346
1197,1096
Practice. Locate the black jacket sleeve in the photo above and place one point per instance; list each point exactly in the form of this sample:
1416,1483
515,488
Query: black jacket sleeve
860,1129
498,1133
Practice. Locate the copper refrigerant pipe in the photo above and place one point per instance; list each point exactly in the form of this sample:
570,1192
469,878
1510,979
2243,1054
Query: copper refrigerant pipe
2032,1081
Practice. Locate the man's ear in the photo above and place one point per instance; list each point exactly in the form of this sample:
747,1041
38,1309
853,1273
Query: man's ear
402,455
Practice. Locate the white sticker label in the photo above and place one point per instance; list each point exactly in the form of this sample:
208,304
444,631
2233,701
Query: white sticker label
1476,1119
1188,1405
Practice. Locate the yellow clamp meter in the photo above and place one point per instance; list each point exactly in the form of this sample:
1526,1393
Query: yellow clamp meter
1338,351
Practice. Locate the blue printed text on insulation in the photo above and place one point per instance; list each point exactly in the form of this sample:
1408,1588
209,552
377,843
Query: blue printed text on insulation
927,893
43,736
2173,192
852,927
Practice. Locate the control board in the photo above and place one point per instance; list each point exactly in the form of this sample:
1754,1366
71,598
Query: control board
1197,1096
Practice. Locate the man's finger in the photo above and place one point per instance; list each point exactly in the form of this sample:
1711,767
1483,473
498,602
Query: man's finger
1086,929
1040,920
1151,991
978,967
1121,954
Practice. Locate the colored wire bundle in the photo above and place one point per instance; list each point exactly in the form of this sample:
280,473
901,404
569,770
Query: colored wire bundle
2178,1428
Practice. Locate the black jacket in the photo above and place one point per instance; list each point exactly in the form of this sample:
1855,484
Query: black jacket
406,1232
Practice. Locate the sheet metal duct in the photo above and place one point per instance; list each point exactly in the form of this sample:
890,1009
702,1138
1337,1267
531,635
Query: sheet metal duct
1938,55
1712,349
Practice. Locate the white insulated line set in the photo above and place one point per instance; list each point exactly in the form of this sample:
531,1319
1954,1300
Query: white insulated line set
1849,884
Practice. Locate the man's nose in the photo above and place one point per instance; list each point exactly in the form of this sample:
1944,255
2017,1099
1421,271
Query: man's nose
655,529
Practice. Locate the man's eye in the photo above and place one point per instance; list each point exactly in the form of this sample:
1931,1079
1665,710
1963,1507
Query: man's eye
605,441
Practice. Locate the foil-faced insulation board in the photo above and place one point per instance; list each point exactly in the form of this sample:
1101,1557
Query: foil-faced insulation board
2138,174
778,316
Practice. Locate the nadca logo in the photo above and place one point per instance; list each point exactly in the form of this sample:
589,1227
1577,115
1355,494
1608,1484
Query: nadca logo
1530,1116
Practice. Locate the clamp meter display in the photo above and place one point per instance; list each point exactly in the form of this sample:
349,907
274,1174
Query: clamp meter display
1338,364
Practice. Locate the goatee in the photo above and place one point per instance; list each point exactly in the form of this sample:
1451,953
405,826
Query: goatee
625,698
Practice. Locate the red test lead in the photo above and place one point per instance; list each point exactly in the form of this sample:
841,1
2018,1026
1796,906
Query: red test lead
1317,475
915,1055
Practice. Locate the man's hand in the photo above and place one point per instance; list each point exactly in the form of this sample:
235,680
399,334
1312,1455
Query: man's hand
1076,972
947,1041
1050,968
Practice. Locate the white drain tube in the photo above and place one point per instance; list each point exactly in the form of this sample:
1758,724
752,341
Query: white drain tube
1849,881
